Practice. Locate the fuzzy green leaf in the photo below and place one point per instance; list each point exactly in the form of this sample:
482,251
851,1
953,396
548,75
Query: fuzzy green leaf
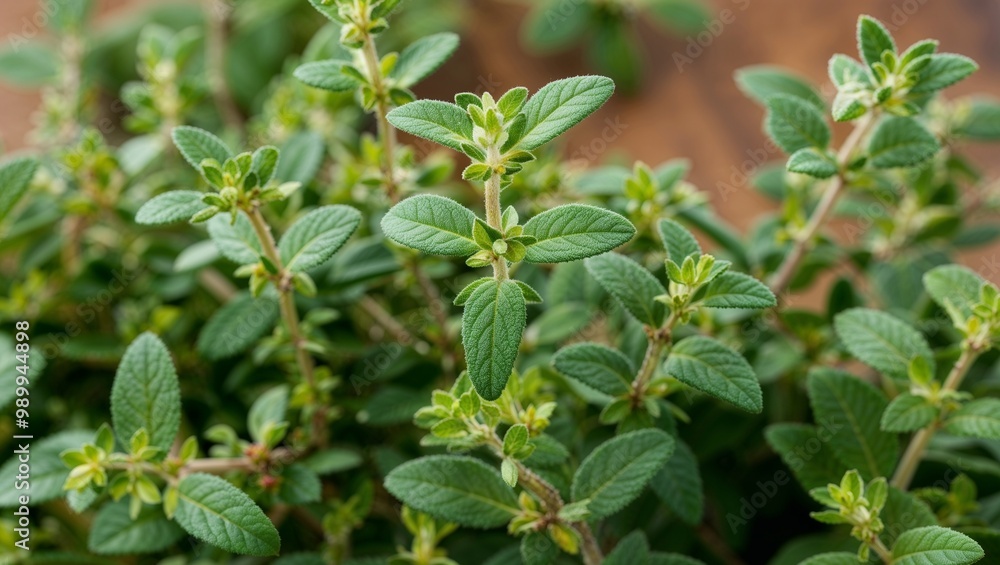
300,485
900,142
812,162
170,207
538,549
795,124
632,285
114,532
882,341
437,121
678,484
237,242
315,237
855,407
678,241
760,82
326,75
15,178
736,290
268,409
979,119
560,105
423,57
455,488
575,231
213,510
432,224
146,393
597,366
196,145
805,451
709,366
237,325
873,40
616,472
301,156
633,549
492,324
934,544
956,289
979,418
944,70
907,413
48,472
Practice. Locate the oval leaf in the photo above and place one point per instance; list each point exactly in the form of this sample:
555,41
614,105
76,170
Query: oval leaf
432,224
213,510
315,237
492,324
575,231
709,366
146,393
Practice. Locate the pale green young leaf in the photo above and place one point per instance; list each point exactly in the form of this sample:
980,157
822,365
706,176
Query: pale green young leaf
315,237
560,105
736,290
873,40
617,471
48,472
815,468
856,407
760,82
170,207
146,393
326,75
907,413
709,366
632,549
196,145
813,162
432,224
934,544
955,288
268,409
632,285
237,242
944,70
795,124
455,488
492,324
423,57
845,70
678,484
15,178
237,325
900,142
678,241
114,532
440,122
213,510
979,418
575,231
597,366
882,341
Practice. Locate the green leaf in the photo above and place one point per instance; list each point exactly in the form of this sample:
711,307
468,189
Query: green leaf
678,241
633,549
616,472
437,121
761,82
492,324
657,558
907,413
237,325
315,237
978,119
213,510
538,549
560,105
812,162
900,142
736,290
170,207
597,366
237,242
934,544
873,40
575,231
326,75
196,145
30,64
709,366
678,484
979,418
301,156
955,288
432,224
15,178
146,393
334,460
632,285
855,407
114,532
795,124
944,70
48,472
423,57
300,485
837,558
882,341
269,409
459,489
805,450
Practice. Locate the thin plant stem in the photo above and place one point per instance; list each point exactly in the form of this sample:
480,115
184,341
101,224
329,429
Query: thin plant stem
386,133
494,216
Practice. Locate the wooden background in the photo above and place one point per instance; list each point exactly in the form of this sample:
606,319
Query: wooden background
695,112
